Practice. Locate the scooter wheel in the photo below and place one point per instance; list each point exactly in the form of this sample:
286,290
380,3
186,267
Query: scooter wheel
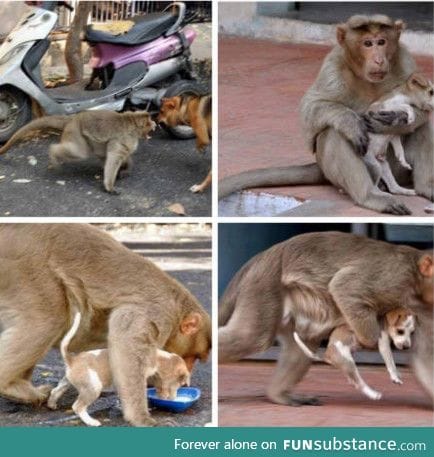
182,132
15,111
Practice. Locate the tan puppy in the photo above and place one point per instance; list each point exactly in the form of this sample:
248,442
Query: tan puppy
398,326
89,372
195,111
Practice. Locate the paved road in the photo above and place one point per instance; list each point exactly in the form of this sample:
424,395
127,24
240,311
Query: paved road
164,169
190,263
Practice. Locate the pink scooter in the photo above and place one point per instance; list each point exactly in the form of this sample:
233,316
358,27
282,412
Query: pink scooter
134,70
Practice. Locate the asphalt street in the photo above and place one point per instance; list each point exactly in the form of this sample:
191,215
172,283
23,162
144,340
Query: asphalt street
163,171
190,263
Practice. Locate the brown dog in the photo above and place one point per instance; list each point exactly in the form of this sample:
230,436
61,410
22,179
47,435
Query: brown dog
195,111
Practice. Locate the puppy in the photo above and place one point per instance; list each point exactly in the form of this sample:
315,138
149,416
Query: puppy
195,111
398,326
89,372
417,92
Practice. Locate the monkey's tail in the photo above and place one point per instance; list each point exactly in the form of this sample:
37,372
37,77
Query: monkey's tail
53,123
269,177
305,349
68,337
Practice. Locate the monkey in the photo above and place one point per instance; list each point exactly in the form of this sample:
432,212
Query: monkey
48,271
112,137
417,92
368,62
313,283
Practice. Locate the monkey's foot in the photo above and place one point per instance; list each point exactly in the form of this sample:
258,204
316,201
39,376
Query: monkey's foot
396,207
284,398
300,400
112,191
44,391
167,423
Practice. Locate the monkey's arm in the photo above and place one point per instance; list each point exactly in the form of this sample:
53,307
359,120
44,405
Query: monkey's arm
394,122
317,115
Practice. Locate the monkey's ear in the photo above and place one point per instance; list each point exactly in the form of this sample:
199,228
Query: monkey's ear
341,32
399,26
426,266
191,324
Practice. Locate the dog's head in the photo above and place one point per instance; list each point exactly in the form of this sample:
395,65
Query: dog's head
422,91
401,324
170,110
172,373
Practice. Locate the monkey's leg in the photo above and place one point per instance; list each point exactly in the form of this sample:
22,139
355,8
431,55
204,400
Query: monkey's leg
390,181
361,318
419,151
292,365
345,169
20,349
131,350
116,156
57,392
252,326
422,357
340,357
125,168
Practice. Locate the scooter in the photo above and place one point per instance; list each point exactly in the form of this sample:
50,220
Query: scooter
134,70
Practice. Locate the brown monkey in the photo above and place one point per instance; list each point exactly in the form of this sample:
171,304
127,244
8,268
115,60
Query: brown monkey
314,283
367,63
110,136
47,271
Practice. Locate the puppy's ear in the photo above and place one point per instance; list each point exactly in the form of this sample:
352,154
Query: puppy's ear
418,81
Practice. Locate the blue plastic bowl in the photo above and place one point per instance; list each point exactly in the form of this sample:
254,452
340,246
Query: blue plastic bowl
185,397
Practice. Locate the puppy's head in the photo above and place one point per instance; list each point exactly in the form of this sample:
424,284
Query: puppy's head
172,374
400,326
169,111
422,91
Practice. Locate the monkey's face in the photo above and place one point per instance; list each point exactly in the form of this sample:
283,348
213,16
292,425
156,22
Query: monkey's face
401,329
193,340
170,111
370,48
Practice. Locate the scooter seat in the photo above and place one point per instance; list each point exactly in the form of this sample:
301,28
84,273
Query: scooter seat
146,28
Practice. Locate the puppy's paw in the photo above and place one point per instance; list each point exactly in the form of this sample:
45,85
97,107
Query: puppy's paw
397,380
196,188
406,165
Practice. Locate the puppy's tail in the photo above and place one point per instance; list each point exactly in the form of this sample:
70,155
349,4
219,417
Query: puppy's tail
47,123
68,337
305,349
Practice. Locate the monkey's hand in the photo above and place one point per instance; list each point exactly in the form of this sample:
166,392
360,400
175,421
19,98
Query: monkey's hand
393,122
354,128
